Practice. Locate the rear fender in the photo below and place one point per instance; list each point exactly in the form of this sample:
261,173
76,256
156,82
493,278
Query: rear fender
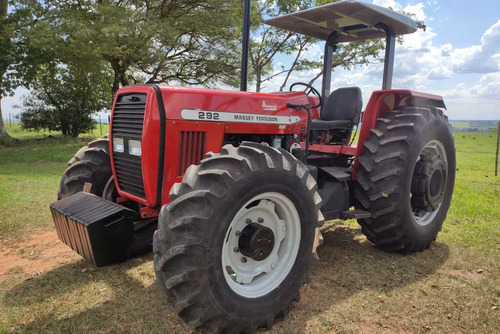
383,101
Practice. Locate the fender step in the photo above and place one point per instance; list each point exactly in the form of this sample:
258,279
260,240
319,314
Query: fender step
355,214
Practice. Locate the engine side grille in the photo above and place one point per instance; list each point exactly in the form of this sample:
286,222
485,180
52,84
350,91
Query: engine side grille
191,150
128,122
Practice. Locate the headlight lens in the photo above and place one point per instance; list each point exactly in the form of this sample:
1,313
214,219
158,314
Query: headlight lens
118,145
134,147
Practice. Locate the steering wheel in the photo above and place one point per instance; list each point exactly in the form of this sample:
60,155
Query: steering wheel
309,89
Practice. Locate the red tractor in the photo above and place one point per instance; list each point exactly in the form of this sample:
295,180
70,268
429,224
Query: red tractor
230,188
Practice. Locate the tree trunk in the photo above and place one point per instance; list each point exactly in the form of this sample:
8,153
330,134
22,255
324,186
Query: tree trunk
4,5
258,81
120,76
3,133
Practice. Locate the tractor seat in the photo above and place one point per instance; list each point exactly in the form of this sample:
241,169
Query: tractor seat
341,110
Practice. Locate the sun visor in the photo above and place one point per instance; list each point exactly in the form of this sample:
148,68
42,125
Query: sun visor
353,20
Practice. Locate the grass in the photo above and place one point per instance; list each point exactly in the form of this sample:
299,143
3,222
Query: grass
454,287
460,124
15,131
29,180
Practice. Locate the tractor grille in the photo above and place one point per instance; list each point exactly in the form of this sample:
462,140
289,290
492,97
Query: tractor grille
128,122
191,150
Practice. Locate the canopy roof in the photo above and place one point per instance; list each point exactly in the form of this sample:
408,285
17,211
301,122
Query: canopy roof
354,20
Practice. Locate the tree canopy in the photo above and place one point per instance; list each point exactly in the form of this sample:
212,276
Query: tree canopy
64,98
176,41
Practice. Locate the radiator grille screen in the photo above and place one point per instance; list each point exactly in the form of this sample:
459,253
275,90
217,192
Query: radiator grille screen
128,122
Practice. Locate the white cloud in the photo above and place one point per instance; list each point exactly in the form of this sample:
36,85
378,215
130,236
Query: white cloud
446,50
439,73
488,86
417,10
483,58
388,3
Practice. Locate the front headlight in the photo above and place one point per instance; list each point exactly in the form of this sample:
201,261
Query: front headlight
134,147
118,145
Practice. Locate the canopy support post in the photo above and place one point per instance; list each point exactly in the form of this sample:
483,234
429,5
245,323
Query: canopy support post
390,45
245,46
330,48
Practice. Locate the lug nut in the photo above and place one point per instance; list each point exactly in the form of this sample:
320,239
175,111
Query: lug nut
238,233
260,220
236,249
248,221
244,259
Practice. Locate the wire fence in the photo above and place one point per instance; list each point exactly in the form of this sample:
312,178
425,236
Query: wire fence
9,119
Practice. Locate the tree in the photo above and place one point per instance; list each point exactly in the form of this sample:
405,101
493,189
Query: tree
268,42
64,98
19,60
176,41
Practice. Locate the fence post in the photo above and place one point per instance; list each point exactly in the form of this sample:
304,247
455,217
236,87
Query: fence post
100,124
498,142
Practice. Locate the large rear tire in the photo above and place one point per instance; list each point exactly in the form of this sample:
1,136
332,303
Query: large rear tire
215,277
406,178
90,164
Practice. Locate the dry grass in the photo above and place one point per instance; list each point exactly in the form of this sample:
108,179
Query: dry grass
355,288
454,287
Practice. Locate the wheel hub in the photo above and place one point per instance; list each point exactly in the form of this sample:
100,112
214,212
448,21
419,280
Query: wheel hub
256,241
261,244
429,182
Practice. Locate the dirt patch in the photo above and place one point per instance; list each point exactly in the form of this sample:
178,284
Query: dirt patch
38,253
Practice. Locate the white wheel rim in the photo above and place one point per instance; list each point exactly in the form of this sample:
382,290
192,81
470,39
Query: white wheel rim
253,279
422,217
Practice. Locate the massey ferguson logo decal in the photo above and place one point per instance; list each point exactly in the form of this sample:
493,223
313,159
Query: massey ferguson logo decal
269,107
225,116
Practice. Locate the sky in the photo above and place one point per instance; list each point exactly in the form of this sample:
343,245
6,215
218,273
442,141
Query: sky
458,57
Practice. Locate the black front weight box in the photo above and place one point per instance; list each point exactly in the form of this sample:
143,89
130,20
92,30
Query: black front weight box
99,230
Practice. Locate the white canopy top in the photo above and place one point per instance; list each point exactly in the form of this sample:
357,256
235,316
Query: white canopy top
354,20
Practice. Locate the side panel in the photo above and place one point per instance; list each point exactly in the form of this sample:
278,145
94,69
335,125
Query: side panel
259,108
188,141
386,100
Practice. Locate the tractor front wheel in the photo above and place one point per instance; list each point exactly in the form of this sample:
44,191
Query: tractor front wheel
90,164
405,178
232,248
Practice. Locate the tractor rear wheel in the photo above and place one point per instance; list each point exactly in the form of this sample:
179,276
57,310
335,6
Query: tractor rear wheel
233,246
405,178
90,164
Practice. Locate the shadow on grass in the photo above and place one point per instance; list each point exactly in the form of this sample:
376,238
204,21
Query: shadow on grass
76,298
348,265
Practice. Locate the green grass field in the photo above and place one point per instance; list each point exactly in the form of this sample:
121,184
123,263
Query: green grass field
454,287
17,132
